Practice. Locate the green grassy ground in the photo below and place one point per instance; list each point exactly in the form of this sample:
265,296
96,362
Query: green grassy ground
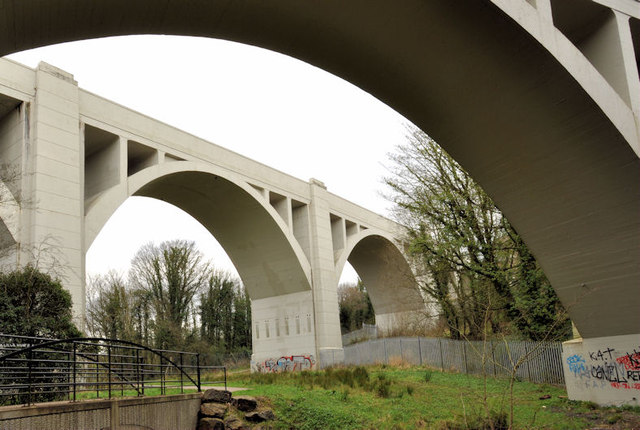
104,394
382,397
416,397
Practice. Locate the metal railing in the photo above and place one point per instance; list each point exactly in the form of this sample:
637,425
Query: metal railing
34,369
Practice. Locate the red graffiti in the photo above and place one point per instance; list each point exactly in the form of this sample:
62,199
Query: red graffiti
630,361
625,385
290,363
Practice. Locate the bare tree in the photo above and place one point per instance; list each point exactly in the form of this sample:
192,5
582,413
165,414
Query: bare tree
109,307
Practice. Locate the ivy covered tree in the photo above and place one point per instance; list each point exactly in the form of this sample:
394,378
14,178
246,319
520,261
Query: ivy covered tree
32,303
474,262
225,313
172,274
355,307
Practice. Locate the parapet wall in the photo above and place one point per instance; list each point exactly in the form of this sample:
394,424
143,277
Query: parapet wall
158,413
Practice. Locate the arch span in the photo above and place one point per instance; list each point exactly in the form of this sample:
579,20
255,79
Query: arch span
258,242
498,99
387,276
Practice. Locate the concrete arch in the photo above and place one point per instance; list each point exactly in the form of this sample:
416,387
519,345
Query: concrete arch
387,276
499,101
267,256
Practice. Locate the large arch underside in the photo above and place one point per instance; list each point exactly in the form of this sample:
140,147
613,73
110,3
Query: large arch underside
389,280
468,75
255,242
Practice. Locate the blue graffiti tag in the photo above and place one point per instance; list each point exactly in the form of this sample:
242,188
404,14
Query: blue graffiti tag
576,364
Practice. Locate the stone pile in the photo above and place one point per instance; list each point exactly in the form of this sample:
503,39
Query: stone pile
220,411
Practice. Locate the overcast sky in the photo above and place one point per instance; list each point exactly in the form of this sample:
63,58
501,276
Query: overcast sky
268,106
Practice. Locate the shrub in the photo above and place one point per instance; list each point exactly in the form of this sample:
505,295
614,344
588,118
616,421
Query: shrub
361,376
383,388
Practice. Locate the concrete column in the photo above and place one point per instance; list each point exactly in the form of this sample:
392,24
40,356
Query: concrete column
604,370
283,334
53,233
324,278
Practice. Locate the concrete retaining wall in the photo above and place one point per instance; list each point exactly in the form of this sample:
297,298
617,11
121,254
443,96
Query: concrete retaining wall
160,412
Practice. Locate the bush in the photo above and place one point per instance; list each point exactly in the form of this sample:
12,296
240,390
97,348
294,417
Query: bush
361,376
34,304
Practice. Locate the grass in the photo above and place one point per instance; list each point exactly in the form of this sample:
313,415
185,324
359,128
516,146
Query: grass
385,397
104,394
417,397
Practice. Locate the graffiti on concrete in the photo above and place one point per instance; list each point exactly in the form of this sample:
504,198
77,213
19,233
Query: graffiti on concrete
607,367
286,363
576,364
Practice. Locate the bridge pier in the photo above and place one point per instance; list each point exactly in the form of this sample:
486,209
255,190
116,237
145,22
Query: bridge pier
302,330
603,370
44,146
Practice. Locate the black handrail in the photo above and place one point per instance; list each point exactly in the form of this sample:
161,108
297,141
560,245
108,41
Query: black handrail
31,368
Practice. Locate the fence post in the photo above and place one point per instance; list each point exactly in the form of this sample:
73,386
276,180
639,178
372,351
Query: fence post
441,354
464,354
142,372
420,350
493,357
161,376
198,371
386,357
181,367
526,357
109,368
401,351
68,369
30,361
74,370
138,371
98,374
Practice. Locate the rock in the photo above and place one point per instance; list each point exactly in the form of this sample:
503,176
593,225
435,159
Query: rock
210,424
235,423
213,410
216,396
245,403
260,416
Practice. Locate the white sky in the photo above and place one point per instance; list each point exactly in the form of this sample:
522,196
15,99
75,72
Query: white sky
270,107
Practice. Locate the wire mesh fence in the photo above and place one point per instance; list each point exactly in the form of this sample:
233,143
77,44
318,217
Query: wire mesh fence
368,331
539,362
36,369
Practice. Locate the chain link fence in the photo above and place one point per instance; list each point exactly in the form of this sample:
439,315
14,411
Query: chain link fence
539,362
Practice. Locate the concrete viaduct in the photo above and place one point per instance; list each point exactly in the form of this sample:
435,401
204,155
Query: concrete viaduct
538,99
83,156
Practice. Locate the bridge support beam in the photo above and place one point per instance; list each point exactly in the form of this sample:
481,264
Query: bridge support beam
44,144
302,330
604,370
